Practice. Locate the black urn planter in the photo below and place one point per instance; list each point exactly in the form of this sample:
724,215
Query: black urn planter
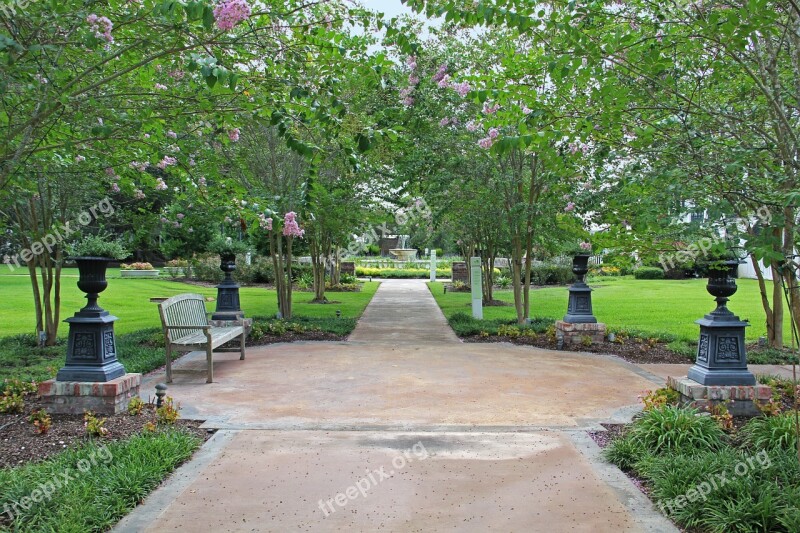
91,346
228,306
579,308
721,356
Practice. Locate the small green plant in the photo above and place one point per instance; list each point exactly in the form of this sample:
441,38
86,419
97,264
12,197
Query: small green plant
722,415
660,397
19,387
347,279
770,433
550,332
624,451
136,406
168,413
505,330
483,334
503,282
100,245
586,341
227,246
460,286
306,281
149,427
11,403
95,427
41,421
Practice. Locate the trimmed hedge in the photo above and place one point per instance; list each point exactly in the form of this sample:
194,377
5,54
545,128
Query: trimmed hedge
401,273
552,275
648,273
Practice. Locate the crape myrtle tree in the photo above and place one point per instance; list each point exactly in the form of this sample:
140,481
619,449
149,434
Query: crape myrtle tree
117,91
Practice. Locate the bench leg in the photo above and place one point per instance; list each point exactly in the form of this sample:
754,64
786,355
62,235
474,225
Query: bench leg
169,363
241,342
210,378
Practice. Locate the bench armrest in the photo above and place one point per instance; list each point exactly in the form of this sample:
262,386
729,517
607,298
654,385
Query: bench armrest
204,326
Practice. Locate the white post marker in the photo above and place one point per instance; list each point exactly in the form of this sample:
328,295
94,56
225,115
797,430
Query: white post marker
433,265
477,287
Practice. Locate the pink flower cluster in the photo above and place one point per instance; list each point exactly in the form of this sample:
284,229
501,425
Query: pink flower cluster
586,246
490,139
265,222
101,26
160,185
160,87
444,82
413,80
578,145
138,165
233,134
138,194
114,187
440,74
490,110
461,88
229,13
570,207
201,182
79,159
472,126
168,161
172,135
290,226
526,110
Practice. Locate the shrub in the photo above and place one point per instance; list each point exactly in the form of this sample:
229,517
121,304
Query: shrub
503,282
660,397
401,273
770,433
671,428
508,331
19,387
168,413
95,427
648,273
41,421
11,403
135,406
347,279
136,266
551,275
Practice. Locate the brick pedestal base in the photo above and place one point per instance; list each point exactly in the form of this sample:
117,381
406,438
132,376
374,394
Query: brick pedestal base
75,397
576,334
741,398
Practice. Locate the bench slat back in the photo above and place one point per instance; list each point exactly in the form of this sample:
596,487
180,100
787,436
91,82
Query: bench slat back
183,310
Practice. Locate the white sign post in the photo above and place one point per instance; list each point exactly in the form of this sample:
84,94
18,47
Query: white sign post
433,265
476,279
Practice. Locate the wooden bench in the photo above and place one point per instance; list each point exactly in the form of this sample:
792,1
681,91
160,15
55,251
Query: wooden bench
186,329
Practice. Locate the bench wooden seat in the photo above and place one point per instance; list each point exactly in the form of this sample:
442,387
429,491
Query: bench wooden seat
186,329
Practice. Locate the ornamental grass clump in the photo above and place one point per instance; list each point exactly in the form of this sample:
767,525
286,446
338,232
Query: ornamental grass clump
674,429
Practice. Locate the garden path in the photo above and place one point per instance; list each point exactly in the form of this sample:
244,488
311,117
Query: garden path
402,428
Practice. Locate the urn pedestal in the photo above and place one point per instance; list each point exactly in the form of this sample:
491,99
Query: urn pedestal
228,306
91,346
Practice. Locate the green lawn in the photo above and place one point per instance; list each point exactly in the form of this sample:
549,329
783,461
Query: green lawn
657,306
129,299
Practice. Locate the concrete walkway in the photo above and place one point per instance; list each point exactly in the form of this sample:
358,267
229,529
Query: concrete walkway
402,428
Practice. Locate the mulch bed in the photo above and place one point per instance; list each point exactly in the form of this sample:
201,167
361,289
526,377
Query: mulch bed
291,336
19,444
631,350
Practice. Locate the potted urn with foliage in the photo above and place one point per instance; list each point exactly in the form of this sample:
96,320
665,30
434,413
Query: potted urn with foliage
92,347
228,306
580,260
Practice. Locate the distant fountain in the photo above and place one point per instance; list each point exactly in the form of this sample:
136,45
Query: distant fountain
402,253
